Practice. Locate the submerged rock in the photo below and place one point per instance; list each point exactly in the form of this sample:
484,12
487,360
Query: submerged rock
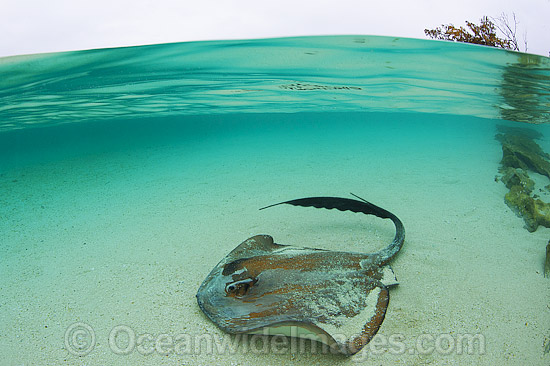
523,131
519,151
535,212
517,177
520,155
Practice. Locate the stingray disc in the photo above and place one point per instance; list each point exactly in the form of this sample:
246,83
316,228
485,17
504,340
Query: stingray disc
338,298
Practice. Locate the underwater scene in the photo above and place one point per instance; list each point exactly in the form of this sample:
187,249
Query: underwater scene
132,180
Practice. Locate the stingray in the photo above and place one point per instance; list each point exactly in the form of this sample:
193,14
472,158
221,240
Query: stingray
336,297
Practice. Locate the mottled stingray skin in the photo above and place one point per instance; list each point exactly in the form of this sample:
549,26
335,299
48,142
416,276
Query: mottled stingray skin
340,296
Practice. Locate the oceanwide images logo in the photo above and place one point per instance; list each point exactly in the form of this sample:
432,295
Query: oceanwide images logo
80,340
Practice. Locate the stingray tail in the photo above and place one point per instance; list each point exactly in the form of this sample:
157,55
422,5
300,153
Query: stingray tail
346,204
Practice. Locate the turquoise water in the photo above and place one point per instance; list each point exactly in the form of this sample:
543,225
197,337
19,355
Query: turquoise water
128,173
312,74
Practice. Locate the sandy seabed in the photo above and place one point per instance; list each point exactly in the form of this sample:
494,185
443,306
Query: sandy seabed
114,238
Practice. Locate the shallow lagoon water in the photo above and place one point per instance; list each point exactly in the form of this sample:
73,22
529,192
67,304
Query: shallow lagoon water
127,174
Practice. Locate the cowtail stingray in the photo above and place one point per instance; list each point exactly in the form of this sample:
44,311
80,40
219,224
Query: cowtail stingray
338,298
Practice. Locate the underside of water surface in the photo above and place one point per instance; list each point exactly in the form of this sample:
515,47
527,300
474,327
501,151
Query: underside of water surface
307,74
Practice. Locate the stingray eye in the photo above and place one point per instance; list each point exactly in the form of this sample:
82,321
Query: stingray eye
239,288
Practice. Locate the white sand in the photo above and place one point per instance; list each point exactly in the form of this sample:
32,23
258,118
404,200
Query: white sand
124,237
